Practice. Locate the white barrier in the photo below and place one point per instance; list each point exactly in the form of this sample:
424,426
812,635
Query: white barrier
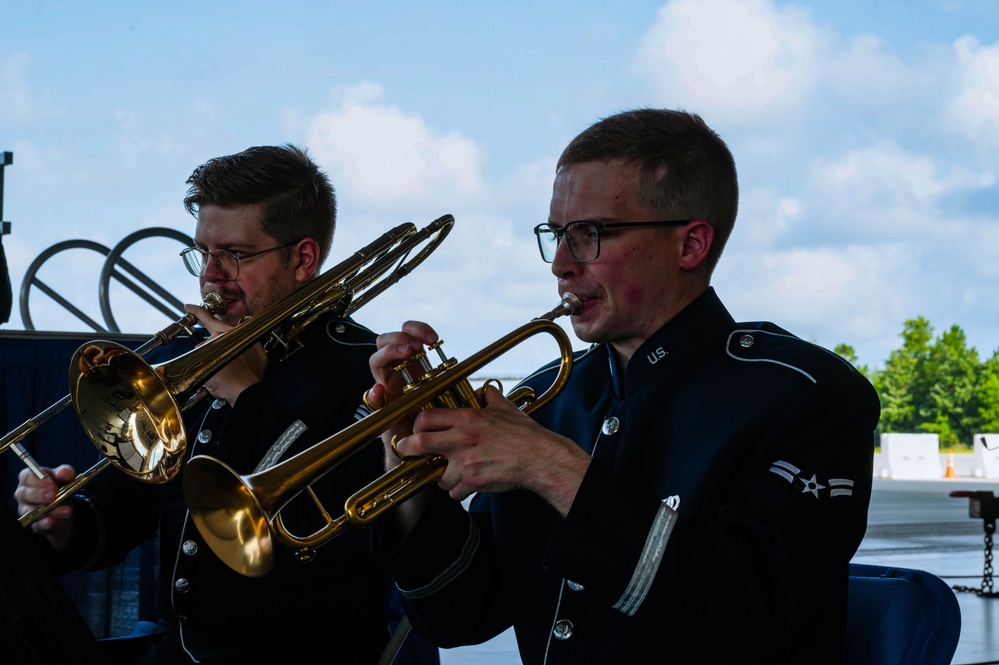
911,456
985,461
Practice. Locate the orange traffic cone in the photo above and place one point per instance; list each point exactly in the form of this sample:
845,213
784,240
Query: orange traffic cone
951,472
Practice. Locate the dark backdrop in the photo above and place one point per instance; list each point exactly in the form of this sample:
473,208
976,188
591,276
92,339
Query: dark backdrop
35,369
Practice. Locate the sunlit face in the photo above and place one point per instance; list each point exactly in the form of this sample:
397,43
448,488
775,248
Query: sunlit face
630,290
262,280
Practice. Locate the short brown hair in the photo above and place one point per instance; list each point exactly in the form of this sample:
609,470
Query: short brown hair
297,197
687,171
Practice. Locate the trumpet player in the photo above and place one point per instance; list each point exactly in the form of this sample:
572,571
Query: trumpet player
699,486
265,220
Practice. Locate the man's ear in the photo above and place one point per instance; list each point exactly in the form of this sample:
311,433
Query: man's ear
306,253
696,244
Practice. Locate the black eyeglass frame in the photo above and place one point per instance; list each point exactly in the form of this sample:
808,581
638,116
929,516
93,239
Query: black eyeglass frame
205,254
560,231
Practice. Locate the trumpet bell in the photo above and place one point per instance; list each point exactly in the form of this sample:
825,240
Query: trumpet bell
239,515
128,412
229,512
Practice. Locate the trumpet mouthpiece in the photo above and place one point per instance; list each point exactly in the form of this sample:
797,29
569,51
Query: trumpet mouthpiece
571,304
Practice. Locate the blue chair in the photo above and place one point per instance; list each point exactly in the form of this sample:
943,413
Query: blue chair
899,616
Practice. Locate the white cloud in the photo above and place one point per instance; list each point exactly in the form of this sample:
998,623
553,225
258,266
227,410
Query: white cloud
883,189
867,73
871,240
859,295
746,58
527,191
390,166
975,106
383,155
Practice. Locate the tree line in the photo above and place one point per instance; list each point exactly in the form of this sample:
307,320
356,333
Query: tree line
935,385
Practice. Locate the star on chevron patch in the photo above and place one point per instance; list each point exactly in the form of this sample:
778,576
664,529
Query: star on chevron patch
830,487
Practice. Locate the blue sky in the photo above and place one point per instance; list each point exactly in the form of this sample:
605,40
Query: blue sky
866,136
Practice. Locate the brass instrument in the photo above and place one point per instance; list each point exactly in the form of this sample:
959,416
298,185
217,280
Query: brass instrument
238,514
129,409
213,302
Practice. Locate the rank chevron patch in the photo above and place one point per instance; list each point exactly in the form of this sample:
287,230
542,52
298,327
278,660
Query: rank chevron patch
812,485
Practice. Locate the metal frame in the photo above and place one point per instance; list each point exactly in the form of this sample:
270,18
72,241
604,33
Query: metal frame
114,267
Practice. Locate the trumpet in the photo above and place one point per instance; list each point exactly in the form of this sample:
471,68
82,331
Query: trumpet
129,408
238,515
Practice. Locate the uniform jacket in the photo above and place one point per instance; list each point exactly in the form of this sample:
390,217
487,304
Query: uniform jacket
299,607
729,487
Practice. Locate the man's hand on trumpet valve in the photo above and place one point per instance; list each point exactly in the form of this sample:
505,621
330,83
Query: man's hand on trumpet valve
33,492
494,449
498,448
244,371
396,349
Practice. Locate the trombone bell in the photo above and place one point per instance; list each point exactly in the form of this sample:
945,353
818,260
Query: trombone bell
128,412
156,451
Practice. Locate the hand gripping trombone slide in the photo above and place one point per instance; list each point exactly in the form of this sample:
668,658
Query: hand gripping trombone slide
238,515
213,302
129,409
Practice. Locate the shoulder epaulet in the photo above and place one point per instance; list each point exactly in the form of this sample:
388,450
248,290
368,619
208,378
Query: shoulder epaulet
347,331
763,342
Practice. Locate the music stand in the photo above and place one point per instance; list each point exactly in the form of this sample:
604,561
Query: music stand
38,621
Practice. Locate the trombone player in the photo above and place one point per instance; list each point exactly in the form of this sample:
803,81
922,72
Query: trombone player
699,486
265,223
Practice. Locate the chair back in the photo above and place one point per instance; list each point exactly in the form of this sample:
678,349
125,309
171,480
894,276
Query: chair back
898,616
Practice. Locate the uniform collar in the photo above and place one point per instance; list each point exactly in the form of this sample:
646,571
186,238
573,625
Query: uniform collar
698,327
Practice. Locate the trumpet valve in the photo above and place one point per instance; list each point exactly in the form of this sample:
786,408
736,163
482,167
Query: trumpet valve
436,346
404,370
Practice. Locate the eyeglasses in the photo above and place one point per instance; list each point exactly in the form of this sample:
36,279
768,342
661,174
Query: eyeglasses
583,237
226,262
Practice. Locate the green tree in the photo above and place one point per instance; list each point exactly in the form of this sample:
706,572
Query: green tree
988,395
900,380
939,386
947,388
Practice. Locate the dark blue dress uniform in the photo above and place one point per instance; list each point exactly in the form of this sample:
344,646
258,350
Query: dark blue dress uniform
731,476
331,604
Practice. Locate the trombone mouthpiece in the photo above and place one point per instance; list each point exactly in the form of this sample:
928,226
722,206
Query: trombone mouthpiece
214,303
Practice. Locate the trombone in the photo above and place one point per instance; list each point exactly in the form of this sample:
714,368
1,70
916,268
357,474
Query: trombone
129,409
213,302
237,515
